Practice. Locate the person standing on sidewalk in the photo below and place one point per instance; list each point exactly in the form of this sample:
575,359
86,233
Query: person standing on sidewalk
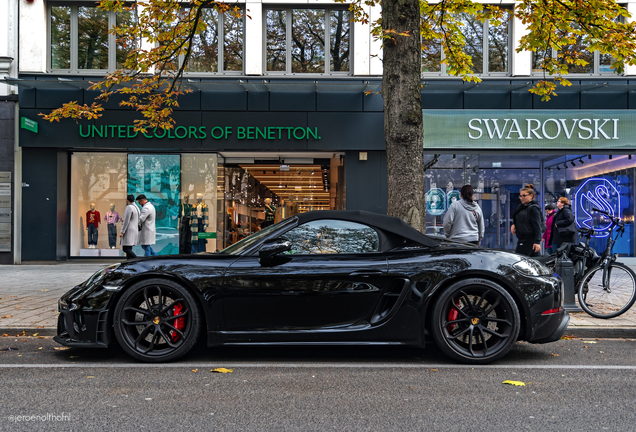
148,231
563,226
527,221
130,227
464,220
547,240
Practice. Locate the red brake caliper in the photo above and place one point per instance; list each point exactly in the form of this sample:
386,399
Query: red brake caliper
179,323
452,316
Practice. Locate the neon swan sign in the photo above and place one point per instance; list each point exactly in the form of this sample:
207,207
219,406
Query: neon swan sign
597,193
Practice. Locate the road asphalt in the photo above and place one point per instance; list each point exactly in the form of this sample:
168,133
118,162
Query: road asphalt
29,294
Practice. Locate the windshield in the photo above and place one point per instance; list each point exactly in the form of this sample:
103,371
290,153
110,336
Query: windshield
245,244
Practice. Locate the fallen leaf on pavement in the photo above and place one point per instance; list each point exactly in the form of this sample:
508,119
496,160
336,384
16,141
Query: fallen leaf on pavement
8,316
515,383
40,347
43,290
195,370
588,341
602,352
435,370
75,357
222,370
568,337
60,348
554,355
90,377
35,334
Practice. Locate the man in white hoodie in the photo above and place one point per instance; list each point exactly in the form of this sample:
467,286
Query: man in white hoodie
464,220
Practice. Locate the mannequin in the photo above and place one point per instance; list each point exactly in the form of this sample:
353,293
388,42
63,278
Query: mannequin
185,235
112,219
92,226
199,223
270,213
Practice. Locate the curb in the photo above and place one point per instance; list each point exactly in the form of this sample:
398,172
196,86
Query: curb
11,331
576,331
601,332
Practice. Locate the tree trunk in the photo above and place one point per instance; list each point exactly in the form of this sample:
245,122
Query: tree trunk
403,112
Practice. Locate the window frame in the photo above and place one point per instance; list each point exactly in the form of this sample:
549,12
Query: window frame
596,73
485,53
220,53
288,40
74,42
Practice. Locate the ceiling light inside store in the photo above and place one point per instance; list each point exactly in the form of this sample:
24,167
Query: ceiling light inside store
610,156
559,168
581,161
572,163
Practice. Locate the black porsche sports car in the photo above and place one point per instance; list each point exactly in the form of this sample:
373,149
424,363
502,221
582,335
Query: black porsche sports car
324,277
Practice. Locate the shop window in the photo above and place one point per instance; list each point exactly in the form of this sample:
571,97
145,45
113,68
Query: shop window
79,39
333,236
206,55
488,45
182,188
300,41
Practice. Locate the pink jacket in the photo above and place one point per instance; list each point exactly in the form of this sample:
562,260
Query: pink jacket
548,228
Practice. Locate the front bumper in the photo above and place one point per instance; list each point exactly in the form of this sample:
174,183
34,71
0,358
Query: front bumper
79,325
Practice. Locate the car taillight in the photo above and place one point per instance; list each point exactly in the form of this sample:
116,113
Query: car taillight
552,311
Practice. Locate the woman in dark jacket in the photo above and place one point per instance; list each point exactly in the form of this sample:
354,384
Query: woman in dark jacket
527,223
563,226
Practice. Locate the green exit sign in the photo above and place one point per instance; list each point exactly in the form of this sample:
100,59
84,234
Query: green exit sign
28,124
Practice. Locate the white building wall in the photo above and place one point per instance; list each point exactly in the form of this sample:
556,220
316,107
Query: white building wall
33,36
8,43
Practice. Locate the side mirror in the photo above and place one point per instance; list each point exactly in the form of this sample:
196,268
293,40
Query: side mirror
274,247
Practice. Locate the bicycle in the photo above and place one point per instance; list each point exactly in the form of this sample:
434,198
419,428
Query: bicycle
605,288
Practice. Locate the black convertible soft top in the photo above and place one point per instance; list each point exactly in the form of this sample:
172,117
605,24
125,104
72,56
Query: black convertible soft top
390,224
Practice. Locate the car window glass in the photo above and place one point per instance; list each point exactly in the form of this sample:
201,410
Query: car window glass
245,244
329,236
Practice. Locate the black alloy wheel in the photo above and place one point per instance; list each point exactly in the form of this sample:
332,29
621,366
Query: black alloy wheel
475,321
157,321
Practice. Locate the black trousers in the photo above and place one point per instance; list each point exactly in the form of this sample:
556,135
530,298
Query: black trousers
129,253
185,236
112,235
524,247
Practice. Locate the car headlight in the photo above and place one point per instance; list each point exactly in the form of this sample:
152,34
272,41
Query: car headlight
99,274
531,268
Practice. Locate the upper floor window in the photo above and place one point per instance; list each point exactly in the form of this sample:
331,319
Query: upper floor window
487,43
296,39
206,55
330,236
79,39
597,63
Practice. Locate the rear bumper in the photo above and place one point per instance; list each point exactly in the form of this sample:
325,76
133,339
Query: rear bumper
558,322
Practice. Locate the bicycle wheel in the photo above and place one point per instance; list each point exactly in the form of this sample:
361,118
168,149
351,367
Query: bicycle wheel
611,299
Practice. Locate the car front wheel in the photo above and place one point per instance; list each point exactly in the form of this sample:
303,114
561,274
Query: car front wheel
475,321
157,321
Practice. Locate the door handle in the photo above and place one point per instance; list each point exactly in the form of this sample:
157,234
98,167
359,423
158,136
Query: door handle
366,273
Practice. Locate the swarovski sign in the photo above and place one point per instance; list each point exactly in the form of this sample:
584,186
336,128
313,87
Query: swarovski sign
529,129
551,128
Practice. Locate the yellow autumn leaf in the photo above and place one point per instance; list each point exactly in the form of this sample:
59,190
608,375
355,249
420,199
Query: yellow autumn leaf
60,348
589,342
195,370
515,383
222,370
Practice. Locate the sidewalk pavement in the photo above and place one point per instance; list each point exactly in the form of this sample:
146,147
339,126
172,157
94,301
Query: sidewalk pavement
29,294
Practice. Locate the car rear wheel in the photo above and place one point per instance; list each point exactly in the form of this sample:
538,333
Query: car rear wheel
157,321
475,321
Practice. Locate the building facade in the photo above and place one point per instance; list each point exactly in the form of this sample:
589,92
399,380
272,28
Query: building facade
284,108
